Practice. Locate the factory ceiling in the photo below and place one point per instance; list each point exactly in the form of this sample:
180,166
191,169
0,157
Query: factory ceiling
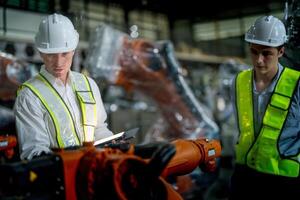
201,10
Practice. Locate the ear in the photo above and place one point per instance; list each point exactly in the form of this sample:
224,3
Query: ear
281,52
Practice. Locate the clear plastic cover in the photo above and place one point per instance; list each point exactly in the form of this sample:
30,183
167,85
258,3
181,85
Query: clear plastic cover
103,52
152,69
13,72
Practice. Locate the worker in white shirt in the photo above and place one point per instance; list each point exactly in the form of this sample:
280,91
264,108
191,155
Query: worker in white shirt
58,108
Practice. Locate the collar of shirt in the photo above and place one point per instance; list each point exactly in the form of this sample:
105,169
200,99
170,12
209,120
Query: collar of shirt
271,87
53,80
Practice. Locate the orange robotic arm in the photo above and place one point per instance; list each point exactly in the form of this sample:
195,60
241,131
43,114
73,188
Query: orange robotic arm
120,175
7,145
108,173
193,153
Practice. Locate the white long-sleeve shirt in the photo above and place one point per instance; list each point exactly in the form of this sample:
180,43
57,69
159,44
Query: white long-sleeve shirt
36,132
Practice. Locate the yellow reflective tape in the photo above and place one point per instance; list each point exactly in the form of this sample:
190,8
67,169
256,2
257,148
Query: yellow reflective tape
244,103
244,97
92,97
83,120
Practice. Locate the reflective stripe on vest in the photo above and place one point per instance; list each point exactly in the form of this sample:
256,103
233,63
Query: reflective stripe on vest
59,112
263,155
245,114
87,104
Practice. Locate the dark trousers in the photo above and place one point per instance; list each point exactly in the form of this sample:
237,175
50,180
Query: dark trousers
247,183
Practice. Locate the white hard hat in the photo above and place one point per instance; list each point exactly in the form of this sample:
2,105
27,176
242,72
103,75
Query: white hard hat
268,31
56,35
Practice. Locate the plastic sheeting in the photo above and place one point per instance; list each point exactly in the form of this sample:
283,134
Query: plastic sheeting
152,69
13,73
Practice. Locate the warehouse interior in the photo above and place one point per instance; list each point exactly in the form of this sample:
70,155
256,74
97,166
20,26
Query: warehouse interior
206,40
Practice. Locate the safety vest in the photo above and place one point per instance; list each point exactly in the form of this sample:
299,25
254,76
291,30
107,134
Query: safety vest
262,153
64,124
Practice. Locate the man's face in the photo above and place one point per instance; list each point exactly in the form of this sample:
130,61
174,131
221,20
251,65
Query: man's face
58,64
264,58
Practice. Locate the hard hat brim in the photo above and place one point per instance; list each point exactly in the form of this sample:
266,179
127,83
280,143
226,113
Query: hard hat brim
264,43
56,50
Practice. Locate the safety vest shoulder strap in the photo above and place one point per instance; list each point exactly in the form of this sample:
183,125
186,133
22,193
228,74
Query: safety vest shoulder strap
277,109
287,82
87,104
244,105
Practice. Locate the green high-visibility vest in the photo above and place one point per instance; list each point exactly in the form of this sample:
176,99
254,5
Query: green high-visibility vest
64,124
262,153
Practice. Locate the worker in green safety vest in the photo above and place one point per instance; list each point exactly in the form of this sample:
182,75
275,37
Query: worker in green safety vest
267,104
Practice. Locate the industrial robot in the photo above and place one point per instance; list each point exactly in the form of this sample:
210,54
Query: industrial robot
151,68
